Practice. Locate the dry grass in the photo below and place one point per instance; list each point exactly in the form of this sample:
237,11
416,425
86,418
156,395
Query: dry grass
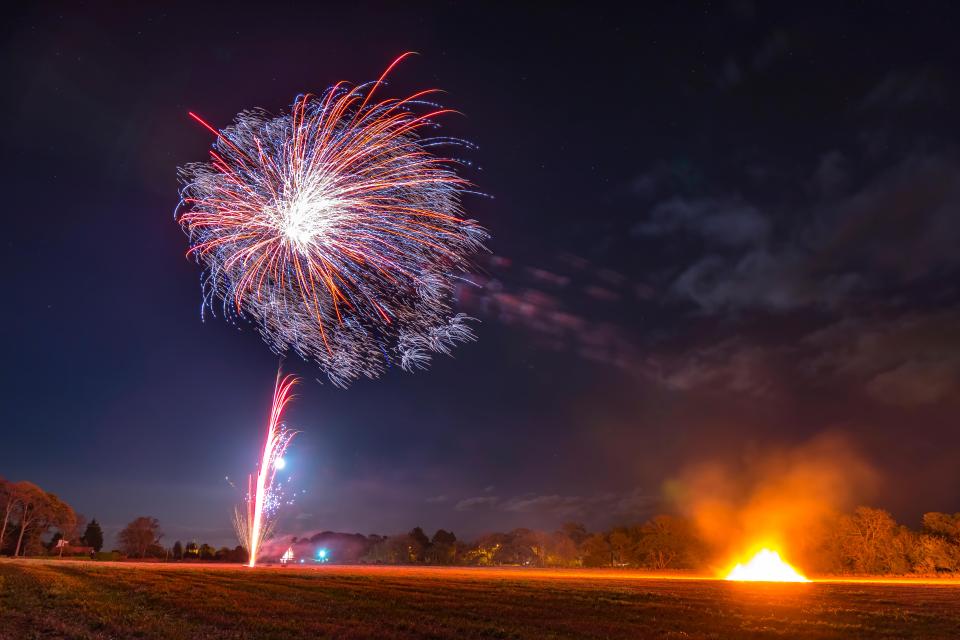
44,599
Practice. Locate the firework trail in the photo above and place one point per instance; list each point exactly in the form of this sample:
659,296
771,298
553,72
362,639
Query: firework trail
335,229
254,520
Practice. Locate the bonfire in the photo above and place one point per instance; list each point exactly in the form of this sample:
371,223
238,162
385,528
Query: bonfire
765,566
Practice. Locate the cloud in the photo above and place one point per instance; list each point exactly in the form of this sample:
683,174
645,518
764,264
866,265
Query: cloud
477,502
566,506
558,307
903,224
900,226
760,280
731,365
637,504
915,383
437,499
728,221
831,175
899,90
909,359
892,357
631,505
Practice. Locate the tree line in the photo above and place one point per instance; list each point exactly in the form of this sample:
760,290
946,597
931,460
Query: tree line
864,541
35,522
142,539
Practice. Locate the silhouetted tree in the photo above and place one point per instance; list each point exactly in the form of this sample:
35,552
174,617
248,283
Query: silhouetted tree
621,544
93,535
520,546
177,550
443,547
561,551
139,535
419,542
596,551
39,511
33,504
9,503
668,542
239,554
576,532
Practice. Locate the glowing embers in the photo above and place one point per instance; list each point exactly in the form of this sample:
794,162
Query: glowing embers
765,566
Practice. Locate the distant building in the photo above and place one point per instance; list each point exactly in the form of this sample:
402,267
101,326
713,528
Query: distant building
64,548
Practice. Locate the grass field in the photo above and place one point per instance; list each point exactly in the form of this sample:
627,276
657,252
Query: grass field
51,599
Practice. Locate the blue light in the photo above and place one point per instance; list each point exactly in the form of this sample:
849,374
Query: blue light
322,555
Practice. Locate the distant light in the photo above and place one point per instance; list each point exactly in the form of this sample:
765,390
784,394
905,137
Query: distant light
279,463
322,554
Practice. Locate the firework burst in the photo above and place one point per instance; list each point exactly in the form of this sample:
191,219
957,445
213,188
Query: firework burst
335,229
255,518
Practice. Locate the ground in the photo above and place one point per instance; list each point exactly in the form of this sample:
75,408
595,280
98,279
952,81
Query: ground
62,599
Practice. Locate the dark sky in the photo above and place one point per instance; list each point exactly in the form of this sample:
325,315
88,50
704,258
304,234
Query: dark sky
717,228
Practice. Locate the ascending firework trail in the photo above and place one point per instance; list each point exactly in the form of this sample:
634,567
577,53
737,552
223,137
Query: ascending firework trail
255,518
339,233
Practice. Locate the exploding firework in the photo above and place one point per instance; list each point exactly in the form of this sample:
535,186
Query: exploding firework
255,518
335,229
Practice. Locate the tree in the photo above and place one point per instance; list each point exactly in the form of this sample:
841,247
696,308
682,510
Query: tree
522,547
35,508
668,542
576,532
935,554
177,550
239,554
93,536
938,547
207,552
942,525
596,551
486,551
621,544
63,517
561,550
9,502
419,543
871,541
34,511
139,535
443,547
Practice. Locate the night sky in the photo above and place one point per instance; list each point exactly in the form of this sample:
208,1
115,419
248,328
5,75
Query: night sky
718,228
